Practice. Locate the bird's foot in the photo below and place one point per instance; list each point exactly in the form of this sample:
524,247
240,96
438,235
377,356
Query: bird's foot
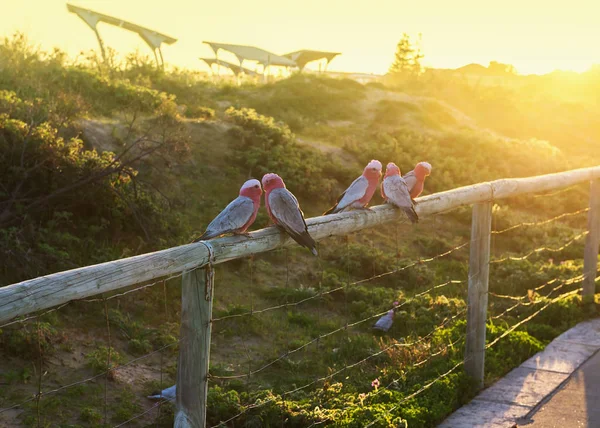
246,234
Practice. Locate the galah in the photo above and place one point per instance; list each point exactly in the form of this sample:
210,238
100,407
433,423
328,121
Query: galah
284,210
360,191
238,215
415,179
385,322
169,393
395,191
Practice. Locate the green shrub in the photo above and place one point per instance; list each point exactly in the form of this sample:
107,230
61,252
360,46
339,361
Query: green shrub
90,415
264,145
97,359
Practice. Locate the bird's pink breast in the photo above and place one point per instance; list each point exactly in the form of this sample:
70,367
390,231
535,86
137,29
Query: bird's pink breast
417,189
253,216
373,182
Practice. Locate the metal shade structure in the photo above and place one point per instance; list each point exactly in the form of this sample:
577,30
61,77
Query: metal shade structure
236,69
153,39
304,56
251,53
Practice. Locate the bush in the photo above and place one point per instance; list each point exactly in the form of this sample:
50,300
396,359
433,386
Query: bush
264,145
97,360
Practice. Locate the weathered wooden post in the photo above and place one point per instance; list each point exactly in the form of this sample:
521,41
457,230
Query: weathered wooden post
194,348
479,269
592,241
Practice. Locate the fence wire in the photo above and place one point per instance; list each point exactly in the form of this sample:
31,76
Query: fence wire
526,300
541,249
488,346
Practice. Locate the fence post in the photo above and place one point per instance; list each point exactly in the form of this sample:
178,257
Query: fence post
479,269
592,241
194,348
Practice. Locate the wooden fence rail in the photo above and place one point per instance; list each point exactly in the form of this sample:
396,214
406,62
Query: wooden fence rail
197,284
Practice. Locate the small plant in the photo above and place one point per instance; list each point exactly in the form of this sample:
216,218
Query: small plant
90,415
98,360
126,406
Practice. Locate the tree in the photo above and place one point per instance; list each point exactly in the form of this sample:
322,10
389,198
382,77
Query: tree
499,68
407,60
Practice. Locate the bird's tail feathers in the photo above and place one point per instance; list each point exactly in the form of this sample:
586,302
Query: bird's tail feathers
305,240
331,210
411,214
202,237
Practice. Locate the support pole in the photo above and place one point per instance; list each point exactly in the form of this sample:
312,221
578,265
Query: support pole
194,348
162,60
592,241
156,59
101,43
479,269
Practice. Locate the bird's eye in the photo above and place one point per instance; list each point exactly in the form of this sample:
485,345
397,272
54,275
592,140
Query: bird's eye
256,186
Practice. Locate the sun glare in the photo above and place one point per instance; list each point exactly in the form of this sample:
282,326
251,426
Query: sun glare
536,37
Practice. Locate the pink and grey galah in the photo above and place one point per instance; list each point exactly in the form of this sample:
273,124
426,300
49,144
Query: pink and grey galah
385,322
284,210
360,192
239,215
395,191
415,179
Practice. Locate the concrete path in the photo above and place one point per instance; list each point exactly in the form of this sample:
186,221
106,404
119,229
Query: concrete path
519,397
575,404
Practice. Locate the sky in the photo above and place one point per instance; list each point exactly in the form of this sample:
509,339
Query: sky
535,36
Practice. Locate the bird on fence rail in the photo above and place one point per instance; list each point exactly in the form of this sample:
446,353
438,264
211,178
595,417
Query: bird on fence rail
239,215
360,192
394,190
415,179
284,210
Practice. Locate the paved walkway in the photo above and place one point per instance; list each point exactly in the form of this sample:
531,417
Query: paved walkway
575,404
558,387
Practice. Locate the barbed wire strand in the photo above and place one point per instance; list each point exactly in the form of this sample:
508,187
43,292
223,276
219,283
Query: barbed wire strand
565,282
287,336
319,301
530,317
40,371
164,287
556,192
533,302
541,222
91,378
343,287
540,249
489,345
346,367
420,363
140,415
108,363
337,330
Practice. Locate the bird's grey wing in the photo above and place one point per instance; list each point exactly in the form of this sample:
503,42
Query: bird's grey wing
288,216
285,208
354,192
396,190
384,323
398,194
232,218
411,179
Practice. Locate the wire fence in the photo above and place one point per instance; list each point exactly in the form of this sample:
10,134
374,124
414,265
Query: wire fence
429,352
